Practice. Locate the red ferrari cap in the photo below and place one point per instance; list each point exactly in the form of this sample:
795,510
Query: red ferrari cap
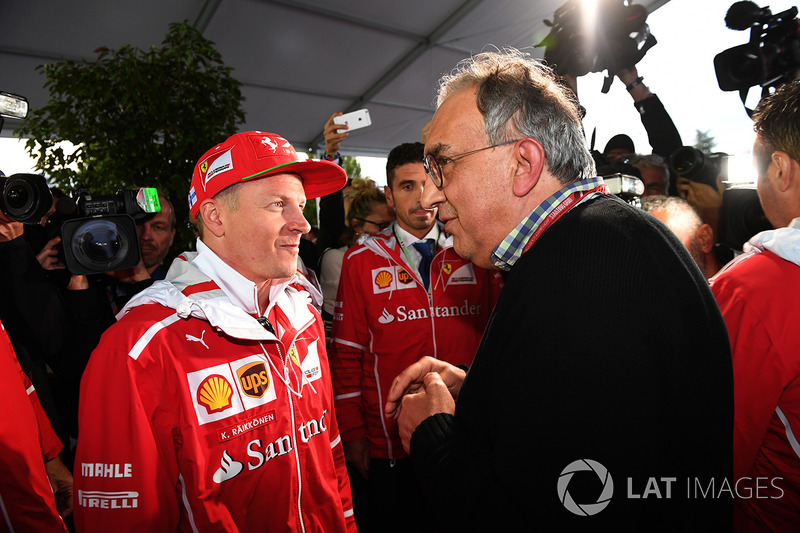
255,154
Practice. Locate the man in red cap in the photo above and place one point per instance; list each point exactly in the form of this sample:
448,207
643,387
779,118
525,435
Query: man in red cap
208,405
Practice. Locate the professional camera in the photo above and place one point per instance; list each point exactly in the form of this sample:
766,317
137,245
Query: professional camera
690,163
12,106
741,215
769,59
617,37
622,179
25,198
104,238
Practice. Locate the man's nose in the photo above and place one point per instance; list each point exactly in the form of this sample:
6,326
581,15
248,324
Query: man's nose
432,196
298,221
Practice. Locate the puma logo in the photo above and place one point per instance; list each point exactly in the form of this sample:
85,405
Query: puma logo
195,339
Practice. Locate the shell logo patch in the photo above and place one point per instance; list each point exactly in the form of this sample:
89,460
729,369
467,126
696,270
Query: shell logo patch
391,278
228,389
384,279
214,393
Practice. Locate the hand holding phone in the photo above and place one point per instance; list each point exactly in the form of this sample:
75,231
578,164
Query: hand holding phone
355,120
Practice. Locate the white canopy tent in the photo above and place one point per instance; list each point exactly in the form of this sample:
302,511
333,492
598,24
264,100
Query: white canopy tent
299,61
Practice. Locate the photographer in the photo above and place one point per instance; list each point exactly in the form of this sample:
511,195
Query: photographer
93,299
615,39
155,238
32,311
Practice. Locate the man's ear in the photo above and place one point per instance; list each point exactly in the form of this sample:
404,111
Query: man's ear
705,238
529,159
387,191
213,220
787,170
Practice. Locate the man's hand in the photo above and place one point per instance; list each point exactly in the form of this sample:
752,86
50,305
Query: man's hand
333,137
434,397
61,483
700,195
48,256
412,379
131,275
356,452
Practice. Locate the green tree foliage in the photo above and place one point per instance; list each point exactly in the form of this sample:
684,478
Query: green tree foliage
351,166
138,118
704,142
353,169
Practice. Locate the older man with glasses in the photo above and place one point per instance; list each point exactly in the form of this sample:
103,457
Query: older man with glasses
403,294
601,393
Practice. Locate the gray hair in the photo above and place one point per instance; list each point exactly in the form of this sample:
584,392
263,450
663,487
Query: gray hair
676,208
519,96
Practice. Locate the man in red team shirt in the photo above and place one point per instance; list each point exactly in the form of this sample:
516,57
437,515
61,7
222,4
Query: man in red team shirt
757,294
208,405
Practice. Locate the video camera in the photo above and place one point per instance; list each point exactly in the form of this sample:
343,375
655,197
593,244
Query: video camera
769,59
100,234
616,38
622,179
741,215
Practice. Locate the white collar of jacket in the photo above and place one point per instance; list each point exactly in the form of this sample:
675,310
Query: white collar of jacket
783,242
387,237
231,305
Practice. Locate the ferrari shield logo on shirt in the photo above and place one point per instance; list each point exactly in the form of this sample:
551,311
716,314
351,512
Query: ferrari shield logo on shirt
293,355
228,389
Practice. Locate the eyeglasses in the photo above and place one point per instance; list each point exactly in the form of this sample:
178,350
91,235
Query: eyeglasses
433,165
381,225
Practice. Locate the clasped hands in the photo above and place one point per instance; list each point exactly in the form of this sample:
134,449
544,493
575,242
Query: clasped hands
427,387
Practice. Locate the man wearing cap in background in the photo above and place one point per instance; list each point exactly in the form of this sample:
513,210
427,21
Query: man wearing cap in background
208,405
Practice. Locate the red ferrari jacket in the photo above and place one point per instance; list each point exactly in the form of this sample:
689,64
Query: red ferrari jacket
27,440
385,320
758,296
194,417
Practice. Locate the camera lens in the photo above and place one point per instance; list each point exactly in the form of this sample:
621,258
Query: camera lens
26,197
18,196
99,243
